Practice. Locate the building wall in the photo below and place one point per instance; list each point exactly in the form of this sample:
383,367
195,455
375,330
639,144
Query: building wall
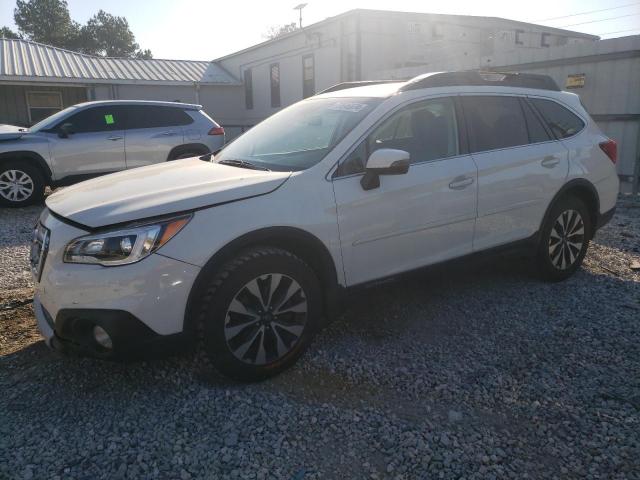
13,100
360,44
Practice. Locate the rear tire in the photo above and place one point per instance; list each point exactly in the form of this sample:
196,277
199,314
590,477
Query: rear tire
564,239
259,313
21,184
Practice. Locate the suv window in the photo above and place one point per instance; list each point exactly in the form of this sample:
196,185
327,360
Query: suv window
155,116
560,120
96,119
495,122
426,129
537,132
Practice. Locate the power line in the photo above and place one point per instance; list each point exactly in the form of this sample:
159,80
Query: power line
585,13
619,31
601,20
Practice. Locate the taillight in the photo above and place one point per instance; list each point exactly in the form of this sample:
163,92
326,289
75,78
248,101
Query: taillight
216,131
610,147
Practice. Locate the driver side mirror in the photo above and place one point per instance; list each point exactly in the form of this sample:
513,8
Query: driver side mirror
65,130
385,161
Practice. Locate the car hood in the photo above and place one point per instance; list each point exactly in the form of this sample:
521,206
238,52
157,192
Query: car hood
165,188
12,132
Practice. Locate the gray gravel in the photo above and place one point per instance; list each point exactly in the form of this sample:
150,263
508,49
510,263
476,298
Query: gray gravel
477,371
16,231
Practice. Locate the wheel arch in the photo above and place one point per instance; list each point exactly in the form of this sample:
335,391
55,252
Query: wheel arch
31,156
585,191
200,148
301,243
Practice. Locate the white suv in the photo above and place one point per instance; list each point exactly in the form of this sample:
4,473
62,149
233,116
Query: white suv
94,138
245,255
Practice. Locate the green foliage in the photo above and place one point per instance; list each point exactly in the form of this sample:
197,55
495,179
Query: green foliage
49,22
280,30
46,21
6,32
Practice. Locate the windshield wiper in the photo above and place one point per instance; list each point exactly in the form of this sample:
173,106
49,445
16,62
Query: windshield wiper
243,164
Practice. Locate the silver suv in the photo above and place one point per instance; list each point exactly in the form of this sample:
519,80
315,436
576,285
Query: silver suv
95,138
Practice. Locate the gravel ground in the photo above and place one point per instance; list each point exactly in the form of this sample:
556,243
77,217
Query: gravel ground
477,371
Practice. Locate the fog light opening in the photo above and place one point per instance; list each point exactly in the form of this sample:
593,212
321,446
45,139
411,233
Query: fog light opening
102,337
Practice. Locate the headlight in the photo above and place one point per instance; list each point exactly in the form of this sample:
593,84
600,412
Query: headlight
124,246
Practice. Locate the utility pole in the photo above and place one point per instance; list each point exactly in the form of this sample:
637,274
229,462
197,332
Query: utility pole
299,8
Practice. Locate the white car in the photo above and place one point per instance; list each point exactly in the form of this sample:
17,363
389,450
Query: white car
95,138
245,255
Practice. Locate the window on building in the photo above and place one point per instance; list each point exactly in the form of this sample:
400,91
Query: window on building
544,40
495,122
43,104
561,121
308,76
275,85
248,89
519,34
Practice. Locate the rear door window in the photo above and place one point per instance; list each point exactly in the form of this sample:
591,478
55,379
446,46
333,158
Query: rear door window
495,122
156,116
97,119
560,120
537,132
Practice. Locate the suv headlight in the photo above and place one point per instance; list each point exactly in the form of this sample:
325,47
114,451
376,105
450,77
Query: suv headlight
125,245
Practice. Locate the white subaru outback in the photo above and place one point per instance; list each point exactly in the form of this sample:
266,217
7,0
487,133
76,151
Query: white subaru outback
244,254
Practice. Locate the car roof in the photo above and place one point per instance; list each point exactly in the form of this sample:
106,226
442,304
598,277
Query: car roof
188,106
455,81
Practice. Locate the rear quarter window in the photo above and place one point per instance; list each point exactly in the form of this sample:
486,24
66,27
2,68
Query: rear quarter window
560,120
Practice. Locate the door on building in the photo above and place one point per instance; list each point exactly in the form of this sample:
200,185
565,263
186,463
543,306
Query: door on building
152,131
424,216
88,143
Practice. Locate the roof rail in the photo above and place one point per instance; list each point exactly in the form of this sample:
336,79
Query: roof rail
363,83
481,78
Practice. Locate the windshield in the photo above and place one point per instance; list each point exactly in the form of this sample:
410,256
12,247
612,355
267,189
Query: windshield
51,120
300,136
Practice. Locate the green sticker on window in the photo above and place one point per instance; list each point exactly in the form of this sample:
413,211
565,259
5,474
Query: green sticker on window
108,119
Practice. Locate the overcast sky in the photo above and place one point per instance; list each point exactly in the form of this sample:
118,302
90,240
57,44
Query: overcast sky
207,29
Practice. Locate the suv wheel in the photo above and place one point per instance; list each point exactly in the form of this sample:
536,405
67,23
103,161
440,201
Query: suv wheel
20,185
564,240
259,313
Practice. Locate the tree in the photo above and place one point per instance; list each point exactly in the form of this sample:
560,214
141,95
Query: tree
144,54
280,30
49,22
108,35
46,21
6,32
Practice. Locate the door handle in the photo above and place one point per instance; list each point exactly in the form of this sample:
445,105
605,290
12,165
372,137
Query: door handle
114,138
459,183
166,134
550,161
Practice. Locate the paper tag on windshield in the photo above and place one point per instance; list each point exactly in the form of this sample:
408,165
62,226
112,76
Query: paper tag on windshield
348,107
108,119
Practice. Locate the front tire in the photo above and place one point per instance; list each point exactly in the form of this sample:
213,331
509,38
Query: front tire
20,185
259,313
564,239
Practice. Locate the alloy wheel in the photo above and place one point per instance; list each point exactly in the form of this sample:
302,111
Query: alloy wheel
266,319
566,239
16,185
